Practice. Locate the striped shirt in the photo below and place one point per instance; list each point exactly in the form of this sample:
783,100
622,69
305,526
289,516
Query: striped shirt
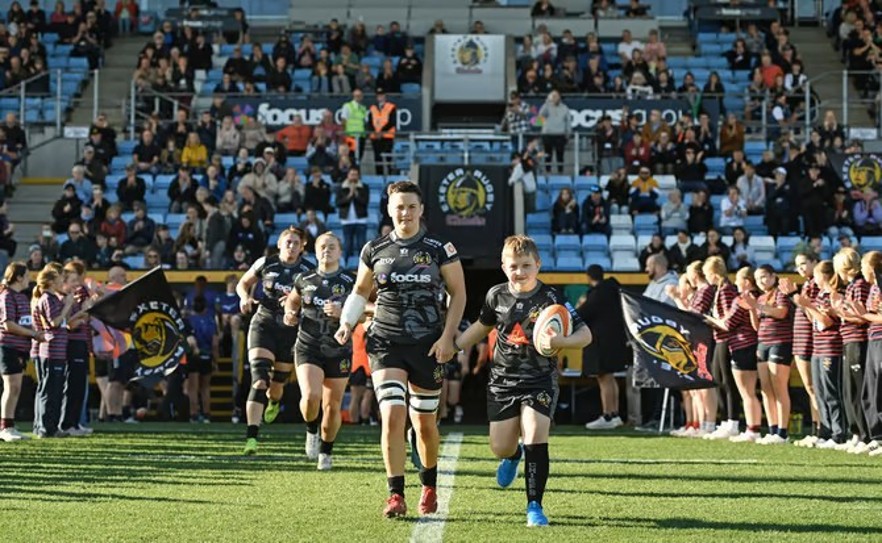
827,341
774,331
703,299
802,324
875,330
48,308
83,332
858,291
723,299
741,332
14,307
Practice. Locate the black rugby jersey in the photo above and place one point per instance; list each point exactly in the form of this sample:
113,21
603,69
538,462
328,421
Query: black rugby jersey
276,279
515,361
407,274
316,289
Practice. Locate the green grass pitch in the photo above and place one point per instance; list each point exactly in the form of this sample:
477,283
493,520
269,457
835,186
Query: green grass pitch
181,482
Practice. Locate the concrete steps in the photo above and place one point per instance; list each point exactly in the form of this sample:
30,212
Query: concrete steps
114,83
31,208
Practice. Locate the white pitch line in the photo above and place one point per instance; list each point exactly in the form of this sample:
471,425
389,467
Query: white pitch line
430,529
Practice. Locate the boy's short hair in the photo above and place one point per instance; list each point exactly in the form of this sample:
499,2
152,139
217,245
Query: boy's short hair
520,245
405,187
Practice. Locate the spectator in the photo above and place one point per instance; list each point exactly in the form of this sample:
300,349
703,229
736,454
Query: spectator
739,57
731,135
340,82
146,153
396,40
778,204
410,67
169,158
95,170
289,197
348,60
868,214
691,172
734,167
843,221
364,79
77,245
523,166
152,259
713,246
656,246
638,154
97,206
35,261
189,243
306,55
753,188
626,47
683,252
103,252
542,8
608,146
741,253
82,186
320,81
284,49
227,141
295,137
165,245
313,228
732,210
113,227
517,118
814,194
595,213
644,193
140,230
701,214
213,182
261,181
182,191
258,64
830,129
352,202
247,234
674,214
618,190
654,49
200,53
663,155
194,154
206,128
606,9
278,79
317,193
388,79
217,232
556,128
565,213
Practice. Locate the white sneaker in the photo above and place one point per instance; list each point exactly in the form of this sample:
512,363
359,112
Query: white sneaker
720,433
86,430
602,424
457,415
860,448
842,447
324,462
75,431
132,420
807,442
678,432
689,432
745,437
828,444
11,434
700,434
312,446
874,448
774,439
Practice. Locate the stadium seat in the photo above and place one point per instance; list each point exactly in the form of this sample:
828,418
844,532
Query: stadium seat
136,262
174,221
567,242
547,259
621,224
645,224
625,263
595,243
584,182
601,260
543,200
754,225
543,241
411,88
785,247
284,220
558,182
568,263
871,243
763,247
622,243
538,223
162,182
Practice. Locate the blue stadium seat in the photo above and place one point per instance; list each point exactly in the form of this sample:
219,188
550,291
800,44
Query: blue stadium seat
175,220
127,147
547,259
374,181
118,163
333,221
538,223
411,88
543,241
158,218
567,242
754,146
595,244
584,182
558,182
754,225
711,49
871,243
50,38
284,220
298,162
162,182
136,262
156,202
569,263
78,63
645,224
543,200
786,246
352,262
601,260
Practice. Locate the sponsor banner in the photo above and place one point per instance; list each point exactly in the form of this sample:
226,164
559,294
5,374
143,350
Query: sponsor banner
468,205
858,171
672,348
147,310
276,112
469,68
587,112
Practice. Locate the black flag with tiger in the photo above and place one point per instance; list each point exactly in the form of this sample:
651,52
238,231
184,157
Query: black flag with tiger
672,348
146,309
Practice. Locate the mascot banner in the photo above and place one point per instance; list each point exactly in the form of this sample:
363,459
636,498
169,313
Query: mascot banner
672,348
469,68
470,205
146,309
858,171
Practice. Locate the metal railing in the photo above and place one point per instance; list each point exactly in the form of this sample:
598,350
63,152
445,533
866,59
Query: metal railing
852,100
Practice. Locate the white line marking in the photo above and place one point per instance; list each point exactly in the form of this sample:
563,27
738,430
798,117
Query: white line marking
430,529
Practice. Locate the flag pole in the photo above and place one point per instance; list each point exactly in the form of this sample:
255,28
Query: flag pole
666,398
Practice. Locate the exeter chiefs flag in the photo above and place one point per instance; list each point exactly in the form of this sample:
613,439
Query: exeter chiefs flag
672,348
146,309
858,171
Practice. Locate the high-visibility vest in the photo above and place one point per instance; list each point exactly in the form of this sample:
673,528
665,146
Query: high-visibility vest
380,117
356,114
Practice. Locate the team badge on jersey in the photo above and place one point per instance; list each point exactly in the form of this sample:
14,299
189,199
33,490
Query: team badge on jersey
517,335
338,290
422,258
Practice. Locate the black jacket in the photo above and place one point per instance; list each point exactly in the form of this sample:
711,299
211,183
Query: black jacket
602,312
345,197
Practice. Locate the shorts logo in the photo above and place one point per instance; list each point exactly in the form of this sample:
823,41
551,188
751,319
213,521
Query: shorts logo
344,365
438,373
422,258
544,399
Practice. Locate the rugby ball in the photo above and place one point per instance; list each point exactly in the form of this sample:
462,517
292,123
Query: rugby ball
555,317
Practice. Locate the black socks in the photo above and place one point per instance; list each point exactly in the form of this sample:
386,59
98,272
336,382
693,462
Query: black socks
396,484
252,431
326,447
536,471
429,476
313,426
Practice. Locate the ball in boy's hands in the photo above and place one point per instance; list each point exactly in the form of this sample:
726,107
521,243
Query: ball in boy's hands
555,318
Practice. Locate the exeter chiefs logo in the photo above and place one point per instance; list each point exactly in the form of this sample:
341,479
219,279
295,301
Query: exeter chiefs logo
156,334
544,399
438,373
466,196
338,290
344,365
469,54
862,171
664,341
422,258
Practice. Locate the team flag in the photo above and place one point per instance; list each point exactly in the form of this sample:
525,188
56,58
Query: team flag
671,347
146,309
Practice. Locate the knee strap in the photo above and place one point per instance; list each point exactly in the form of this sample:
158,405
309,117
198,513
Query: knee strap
392,393
281,376
258,395
425,403
260,371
